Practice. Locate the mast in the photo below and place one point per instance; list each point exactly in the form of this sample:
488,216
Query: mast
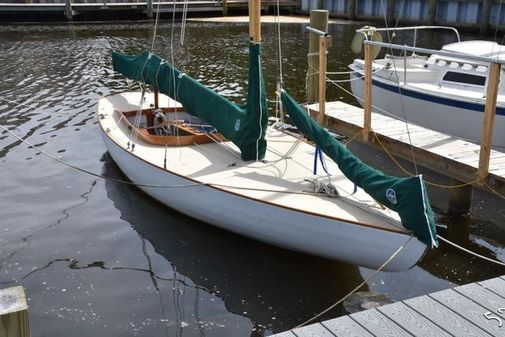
255,20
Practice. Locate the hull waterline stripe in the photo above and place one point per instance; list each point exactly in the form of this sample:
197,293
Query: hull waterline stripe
476,107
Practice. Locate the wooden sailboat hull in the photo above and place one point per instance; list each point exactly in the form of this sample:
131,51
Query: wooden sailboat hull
282,223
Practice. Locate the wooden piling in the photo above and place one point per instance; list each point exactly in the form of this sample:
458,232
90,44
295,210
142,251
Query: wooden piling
149,9
460,198
324,44
432,12
367,105
351,9
14,313
391,12
485,13
255,20
489,113
225,7
319,21
68,10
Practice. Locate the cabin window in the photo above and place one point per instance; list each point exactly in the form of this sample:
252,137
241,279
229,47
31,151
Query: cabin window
452,76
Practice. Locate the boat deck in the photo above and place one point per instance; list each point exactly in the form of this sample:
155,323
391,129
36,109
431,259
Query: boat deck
476,309
273,180
445,154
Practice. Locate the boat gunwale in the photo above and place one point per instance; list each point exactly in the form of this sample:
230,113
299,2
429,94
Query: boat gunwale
396,230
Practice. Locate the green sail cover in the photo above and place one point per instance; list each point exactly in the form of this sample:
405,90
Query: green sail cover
407,196
244,125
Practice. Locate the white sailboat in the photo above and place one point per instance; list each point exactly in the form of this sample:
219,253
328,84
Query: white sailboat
257,182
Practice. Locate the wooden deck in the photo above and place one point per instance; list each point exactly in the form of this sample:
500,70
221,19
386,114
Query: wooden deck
442,153
472,310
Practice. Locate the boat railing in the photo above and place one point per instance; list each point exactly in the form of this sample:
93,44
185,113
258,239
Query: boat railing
451,54
368,29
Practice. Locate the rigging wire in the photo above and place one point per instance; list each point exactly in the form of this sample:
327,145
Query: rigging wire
496,28
414,161
279,110
155,30
184,20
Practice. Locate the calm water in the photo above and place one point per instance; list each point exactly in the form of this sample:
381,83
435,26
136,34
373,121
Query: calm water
102,259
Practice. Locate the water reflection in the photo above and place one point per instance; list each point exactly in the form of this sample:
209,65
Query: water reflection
273,287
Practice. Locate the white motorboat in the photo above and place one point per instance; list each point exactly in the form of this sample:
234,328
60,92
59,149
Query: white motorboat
444,91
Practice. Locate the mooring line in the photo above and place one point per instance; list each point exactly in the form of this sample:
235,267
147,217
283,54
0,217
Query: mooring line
470,252
359,286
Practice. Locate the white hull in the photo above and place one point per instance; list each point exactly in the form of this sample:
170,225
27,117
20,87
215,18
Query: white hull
282,220
449,119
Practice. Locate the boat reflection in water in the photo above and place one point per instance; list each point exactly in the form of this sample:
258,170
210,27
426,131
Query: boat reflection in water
275,289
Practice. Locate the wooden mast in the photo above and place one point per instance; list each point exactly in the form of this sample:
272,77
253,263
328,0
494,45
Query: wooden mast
255,20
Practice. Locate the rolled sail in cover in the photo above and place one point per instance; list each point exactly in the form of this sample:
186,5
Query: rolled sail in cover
406,196
244,125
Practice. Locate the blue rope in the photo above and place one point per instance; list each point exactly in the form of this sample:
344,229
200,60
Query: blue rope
319,154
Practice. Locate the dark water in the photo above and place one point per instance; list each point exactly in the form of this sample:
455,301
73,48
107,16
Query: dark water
99,258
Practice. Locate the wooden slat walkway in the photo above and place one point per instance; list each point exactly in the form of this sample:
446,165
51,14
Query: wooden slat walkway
472,310
445,154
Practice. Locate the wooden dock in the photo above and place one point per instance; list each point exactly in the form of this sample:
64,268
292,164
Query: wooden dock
472,310
70,8
439,152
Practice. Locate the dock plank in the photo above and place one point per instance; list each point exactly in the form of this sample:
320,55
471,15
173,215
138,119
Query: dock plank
313,330
345,326
378,324
412,321
285,334
482,296
445,318
496,285
467,309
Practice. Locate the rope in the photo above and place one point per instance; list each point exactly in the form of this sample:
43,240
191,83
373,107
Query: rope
470,252
155,25
353,137
358,287
493,190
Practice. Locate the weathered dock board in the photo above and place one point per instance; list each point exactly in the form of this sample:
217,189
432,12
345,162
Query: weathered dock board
442,153
472,310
